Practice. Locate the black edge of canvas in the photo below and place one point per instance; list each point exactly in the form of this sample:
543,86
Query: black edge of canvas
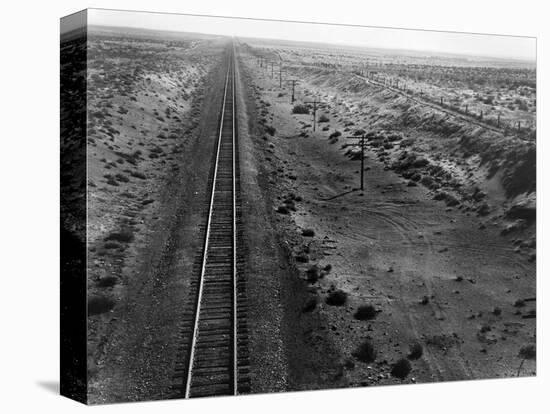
73,311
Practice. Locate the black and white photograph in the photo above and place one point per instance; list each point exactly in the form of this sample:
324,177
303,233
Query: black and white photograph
261,206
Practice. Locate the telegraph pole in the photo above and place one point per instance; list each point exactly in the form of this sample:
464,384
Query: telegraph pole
362,138
294,82
280,75
314,102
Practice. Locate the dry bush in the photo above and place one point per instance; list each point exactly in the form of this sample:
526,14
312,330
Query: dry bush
100,304
308,232
415,351
365,352
310,305
312,274
337,298
365,312
107,281
300,109
283,210
401,368
124,236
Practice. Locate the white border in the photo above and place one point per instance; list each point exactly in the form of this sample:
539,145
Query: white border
30,196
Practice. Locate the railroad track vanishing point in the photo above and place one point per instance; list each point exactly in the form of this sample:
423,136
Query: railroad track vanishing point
213,355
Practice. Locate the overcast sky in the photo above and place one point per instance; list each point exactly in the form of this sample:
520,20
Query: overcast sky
444,42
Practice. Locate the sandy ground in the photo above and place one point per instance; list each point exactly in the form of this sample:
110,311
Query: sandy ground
287,350
145,208
439,276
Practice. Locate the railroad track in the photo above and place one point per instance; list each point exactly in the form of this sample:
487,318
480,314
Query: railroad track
213,355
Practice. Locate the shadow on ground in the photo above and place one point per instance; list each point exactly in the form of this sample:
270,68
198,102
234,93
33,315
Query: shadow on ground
50,386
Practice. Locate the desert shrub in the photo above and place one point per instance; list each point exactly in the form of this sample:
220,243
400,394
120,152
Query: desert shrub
310,305
365,312
485,328
107,281
138,174
122,178
420,162
300,109
365,352
327,268
451,200
124,236
291,206
401,368
283,210
522,211
100,304
415,351
526,352
416,176
427,181
519,303
337,298
323,118
112,245
312,274
359,132
302,258
335,134
308,232
270,130
488,100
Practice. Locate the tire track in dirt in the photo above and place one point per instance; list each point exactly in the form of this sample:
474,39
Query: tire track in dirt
404,228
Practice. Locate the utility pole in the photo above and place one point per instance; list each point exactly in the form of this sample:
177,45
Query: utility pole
280,75
294,82
362,138
314,102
